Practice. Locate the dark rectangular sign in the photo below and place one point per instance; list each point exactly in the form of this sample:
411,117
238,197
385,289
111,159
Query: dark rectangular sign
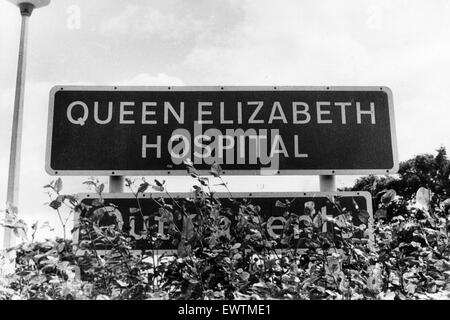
123,208
247,130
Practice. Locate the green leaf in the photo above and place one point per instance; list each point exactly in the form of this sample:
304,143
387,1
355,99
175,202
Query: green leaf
310,208
158,188
381,213
423,197
388,196
122,283
134,210
58,185
55,204
97,202
363,216
46,224
143,187
280,204
192,172
99,189
387,296
166,215
188,162
183,249
245,276
216,170
99,213
411,288
97,230
317,221
60,247
204,181
11,209
188,228
355,204
128,182
72,199
235,246
20,229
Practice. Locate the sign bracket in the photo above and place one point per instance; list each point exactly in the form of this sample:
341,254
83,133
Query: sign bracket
116,184
327,183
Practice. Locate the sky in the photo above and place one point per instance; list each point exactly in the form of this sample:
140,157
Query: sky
402,44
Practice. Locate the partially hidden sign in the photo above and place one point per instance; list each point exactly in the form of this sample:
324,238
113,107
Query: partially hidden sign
247,130
124,210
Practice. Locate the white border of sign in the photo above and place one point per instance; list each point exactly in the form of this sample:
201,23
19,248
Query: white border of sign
114,172
181,195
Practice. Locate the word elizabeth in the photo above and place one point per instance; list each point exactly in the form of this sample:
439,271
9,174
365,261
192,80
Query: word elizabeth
149,112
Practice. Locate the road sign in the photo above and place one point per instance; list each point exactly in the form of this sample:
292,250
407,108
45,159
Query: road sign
122,208
248,130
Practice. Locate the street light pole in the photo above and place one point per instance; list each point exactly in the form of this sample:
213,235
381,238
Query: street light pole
26,8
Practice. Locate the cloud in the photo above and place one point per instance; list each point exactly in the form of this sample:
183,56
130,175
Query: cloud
139,21
274,44
161,79
398,44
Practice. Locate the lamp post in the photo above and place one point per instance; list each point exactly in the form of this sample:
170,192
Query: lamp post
26,8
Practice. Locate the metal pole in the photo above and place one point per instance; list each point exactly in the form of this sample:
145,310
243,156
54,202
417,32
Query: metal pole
12,197
327,183
116,184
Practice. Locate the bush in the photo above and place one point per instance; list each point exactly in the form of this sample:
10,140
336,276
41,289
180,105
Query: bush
408,259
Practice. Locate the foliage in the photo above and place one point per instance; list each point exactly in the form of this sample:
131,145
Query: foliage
425,170
408,257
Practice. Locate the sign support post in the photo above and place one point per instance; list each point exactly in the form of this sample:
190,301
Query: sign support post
327,183
116,184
